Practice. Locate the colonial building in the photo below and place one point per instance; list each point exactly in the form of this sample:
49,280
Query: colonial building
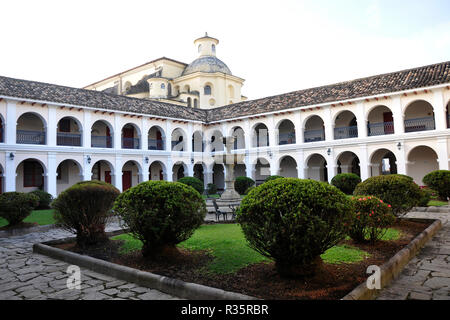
53,136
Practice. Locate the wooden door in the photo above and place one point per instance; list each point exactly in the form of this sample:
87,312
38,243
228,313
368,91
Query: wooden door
388,122
128,135
126,180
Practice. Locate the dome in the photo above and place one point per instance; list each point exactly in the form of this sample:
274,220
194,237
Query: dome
209,64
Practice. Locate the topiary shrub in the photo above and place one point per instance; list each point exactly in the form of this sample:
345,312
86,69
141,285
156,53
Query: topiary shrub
84,209
160,214
346,182
270,178
403,176
195,183
241,184
425,197
16,206
400,192
45,199
211,188
439,180
371,219
249,189
293,221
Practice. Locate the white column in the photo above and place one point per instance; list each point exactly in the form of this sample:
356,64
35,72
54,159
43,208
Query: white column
331,165
401,160
329,126
87,129
442,154
144,174
86,175
247,134
144,134
274,167
11,124
190,168
10,172
273,134
299,158
189,139
298,128
51,126
208,174
440,115
397,114
169,173
118,134
117,179
364,162
248,166
169,136
51,174
361,120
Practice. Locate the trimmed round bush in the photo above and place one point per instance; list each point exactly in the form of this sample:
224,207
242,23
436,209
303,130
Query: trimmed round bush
270,178
346,182
425,197
241,184
371,219
16,206
161,213
45,199
403,176
84,209
195,183
249,189
439,180
293,221
400,192
211,188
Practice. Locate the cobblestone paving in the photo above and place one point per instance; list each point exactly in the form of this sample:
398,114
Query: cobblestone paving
427,276
25,275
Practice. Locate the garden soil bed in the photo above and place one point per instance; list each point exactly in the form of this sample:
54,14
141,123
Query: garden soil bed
261,280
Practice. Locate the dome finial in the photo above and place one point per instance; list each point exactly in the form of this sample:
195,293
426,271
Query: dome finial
206,34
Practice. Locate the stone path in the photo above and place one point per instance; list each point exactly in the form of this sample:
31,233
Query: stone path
427,275
25,275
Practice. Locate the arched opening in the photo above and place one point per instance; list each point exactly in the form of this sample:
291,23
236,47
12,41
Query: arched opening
178,140
30,129
67,174
288,167
102,170
316,168
240,170
348,162
217,141
421,160
383,161
195,103
156,171
68,132
286,132
207,90
239,138
186,89
130,175
380,121
156,138
130,137
101,135
219,176
345,125
262,170
447,115
260,136
314,129
419,116
30,176
179,171
199,172
2,187
198,144
189,102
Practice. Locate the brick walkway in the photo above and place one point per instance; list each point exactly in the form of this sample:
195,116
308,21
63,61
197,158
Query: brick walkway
427,276
25,275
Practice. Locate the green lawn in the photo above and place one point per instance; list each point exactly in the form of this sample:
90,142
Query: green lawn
437,203
41,217
227,244
215,196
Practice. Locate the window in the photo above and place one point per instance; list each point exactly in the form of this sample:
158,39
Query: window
195,103
32,174
207,90
163,86
188,102
199,47
64,125
213,47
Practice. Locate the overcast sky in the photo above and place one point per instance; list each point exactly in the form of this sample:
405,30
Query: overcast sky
276,46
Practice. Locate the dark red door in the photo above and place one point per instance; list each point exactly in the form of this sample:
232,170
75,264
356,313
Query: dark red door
108,177
108,138
126,180
161,177
388,122
159,142
1,131
128,135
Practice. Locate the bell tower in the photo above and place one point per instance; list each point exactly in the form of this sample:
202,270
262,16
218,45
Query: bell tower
206,45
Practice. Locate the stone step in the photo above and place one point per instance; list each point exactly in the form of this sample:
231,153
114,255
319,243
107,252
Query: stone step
443,209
